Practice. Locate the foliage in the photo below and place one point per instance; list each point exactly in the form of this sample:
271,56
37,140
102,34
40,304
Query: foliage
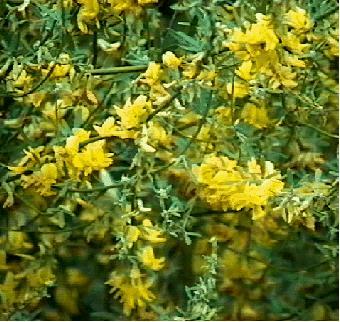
168,160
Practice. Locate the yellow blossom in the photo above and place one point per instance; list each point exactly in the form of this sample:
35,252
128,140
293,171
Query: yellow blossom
158,135
260,33
110,128
31,158
133,291
72,142
298,19
282,75
92,158
132,235
147,257
88,12
256,116
292,42
170,60
294,61
23,80
224,185
151,233
133,114
190,70
207,75
244,70
118,6
240,90
224,115
152,74
144,2
42,180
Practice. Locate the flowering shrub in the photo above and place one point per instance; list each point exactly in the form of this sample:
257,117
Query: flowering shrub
169,160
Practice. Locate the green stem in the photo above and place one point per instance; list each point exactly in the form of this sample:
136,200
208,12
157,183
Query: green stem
117,70
319,130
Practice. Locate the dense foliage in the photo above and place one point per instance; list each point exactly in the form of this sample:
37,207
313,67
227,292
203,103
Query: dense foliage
168,159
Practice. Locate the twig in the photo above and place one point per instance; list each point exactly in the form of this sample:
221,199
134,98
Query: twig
117,70
319,130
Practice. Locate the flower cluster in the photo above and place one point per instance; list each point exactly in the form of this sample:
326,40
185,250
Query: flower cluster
227,186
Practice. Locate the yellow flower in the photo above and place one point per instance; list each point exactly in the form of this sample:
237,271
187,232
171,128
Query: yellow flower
240,90
224,115
170,60
152,74
256,116
88,12
23,80
132,235
283,75
144,2
151,233
294,61
110,128
292,42
133,114
133,291
147,257
118,6
72,143
298,19
224,185
260,33
244,70
42,180
92,158
207,75
190,70
158,135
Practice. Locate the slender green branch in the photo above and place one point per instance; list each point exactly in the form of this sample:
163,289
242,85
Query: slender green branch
117,70
103,188
320,130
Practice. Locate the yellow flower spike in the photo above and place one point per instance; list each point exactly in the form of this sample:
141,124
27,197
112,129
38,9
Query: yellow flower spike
147,257
298,19
170,60
256,116
244,70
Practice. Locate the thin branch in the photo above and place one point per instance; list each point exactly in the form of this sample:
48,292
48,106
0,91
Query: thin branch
117,70
103,188
320,130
